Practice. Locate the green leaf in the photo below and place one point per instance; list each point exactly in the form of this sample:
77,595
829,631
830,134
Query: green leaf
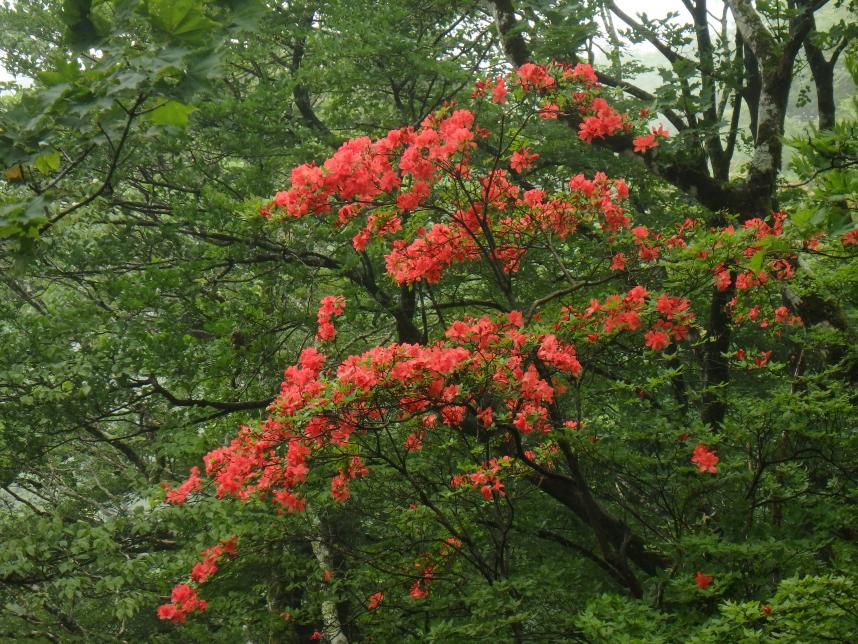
65,72
74,11
684,68
81,32
47,162
180,19
171,113
22,218
246,14
756,263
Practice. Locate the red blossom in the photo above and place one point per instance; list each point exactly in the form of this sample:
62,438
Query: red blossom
329,307
203,570
652,140
763,359
702,580
560,355
585,74
417,591
428,255
644,143
656,340
485,479
499,91
549,110
723,279
522,159
602,121
207,566
192,484
618,262
534,77
705,459
184,600
340,488
414,442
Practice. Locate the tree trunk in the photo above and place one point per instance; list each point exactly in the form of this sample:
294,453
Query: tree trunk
823,79
331,625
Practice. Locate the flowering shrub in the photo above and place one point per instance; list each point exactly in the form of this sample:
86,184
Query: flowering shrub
446,203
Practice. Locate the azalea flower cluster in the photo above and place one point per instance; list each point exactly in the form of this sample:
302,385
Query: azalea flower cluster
428,384
192,484
497,375
485,479
340,483
361,174
751,259
184,598
432,251
390,178
420,589
328,308
755,238
500,225
183,601
649,141
210,557
705,459
618,313
496,87
576,91
427,565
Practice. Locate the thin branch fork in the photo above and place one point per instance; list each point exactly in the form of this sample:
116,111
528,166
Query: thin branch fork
111,170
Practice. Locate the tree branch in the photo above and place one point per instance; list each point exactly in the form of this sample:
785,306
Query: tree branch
114,163
198,402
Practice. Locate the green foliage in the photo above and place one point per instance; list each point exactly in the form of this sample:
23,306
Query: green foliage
148,311
85,113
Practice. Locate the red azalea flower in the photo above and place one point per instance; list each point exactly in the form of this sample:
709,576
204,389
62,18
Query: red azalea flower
374,601
705,459
702,580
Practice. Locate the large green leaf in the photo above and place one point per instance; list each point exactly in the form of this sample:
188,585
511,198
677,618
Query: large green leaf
81,31
171,113
180,19
47,162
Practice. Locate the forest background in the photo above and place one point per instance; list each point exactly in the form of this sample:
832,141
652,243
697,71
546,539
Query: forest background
688,477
